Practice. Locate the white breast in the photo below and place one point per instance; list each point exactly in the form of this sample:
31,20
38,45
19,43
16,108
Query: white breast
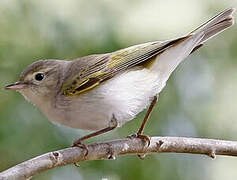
124,96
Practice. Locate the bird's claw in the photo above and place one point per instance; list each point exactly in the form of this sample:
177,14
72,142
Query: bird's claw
141,136
144,138
82,146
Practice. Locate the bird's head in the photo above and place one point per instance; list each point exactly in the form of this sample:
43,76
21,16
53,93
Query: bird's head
40,81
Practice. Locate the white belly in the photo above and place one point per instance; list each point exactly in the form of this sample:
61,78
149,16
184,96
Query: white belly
125,96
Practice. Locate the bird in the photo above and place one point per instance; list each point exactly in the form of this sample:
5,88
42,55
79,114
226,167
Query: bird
101,92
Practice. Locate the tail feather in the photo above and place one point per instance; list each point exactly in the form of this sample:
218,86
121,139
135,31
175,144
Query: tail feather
216,24
166,62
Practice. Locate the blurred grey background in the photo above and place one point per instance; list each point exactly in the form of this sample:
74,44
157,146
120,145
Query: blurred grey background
200,98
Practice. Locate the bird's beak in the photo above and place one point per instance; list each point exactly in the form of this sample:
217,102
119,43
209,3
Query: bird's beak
15,86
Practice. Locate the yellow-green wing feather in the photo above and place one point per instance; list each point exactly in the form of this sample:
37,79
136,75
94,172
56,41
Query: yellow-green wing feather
92,70
84,74
135,55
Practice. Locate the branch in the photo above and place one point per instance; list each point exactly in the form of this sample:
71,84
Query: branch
108,150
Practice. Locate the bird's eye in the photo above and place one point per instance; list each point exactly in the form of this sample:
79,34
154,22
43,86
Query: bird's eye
39,76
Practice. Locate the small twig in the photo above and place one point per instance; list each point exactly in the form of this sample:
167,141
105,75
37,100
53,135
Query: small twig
109,150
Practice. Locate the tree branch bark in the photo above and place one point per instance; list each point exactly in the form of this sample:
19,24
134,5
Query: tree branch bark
109,150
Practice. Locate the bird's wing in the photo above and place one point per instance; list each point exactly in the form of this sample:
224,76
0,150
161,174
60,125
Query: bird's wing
88,72
93,70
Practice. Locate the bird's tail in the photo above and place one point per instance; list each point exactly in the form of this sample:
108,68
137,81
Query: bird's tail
215,25
166,62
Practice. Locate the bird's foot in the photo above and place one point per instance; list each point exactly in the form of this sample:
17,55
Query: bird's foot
145,138
142,137
81,145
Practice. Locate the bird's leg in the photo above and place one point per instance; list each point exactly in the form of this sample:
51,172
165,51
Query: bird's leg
78,143
140,130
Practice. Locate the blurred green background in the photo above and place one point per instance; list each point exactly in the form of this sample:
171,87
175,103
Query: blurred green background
198,101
